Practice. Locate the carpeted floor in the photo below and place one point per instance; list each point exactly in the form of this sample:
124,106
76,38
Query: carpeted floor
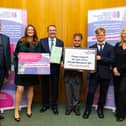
49,119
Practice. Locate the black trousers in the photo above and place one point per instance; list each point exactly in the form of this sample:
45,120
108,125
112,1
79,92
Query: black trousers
93,84
50,90
1,79
120,95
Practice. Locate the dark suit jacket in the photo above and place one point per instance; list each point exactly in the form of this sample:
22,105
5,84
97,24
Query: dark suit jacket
120,59
44,44
5,57
104,66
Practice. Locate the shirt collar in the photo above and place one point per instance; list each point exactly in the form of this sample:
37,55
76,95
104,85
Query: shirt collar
54,39
99,43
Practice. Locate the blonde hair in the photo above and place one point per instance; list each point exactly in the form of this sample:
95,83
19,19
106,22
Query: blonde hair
0,22
98,30
121,42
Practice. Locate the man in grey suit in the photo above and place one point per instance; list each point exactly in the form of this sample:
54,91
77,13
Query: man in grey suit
5,58
73,83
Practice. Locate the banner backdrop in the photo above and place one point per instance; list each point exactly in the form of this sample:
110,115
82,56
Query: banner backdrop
113,20
13,25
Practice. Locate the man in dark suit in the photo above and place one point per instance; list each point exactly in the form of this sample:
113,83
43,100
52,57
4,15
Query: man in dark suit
5,60
50,81
102,75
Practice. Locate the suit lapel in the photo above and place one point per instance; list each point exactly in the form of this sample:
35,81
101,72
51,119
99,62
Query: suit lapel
46,45
56,42
95,46
105,46
0,39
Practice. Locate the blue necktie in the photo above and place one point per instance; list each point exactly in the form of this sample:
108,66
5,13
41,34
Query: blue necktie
52,44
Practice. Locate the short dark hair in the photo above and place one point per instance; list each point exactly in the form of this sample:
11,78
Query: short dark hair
78,34
50,26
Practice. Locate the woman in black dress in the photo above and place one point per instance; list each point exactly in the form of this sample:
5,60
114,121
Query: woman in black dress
119,71
28,43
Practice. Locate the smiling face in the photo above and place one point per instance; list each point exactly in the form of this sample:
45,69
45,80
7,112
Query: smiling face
30,31
51,31
77,41
0,25
100,35
77,38
123,35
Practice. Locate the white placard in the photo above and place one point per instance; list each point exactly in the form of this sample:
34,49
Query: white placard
80,58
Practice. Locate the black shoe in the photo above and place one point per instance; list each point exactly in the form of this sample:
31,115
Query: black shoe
55,110
29,115
1,117
119,119
17,119
44,108
86,114
68,112
17,116
77,112
100,114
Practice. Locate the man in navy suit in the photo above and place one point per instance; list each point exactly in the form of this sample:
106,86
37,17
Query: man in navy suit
5,60
50,81
102,75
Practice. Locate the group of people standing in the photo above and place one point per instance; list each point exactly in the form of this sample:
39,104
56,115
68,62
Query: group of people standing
111,63
30,43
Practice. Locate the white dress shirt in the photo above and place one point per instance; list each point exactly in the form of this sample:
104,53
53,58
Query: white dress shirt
50,41
99,44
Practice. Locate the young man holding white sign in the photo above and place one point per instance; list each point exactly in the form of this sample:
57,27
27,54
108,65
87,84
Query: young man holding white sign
102,75
73,83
